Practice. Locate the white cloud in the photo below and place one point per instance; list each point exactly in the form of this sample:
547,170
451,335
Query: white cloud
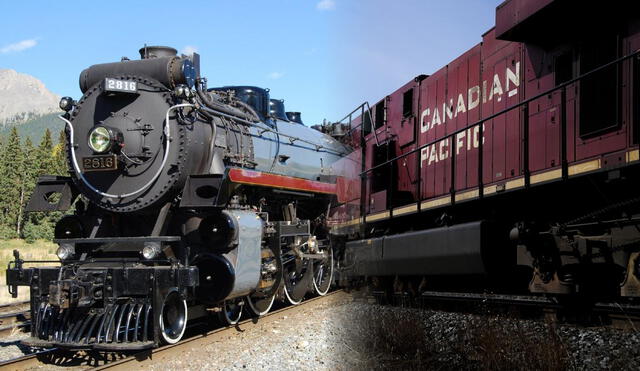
311,51
275,75
326,5
189,49
19,46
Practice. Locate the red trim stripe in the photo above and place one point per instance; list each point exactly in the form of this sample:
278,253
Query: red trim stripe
259,178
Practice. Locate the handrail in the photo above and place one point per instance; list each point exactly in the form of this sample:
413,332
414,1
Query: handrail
352,112
373,126
361,108
491,117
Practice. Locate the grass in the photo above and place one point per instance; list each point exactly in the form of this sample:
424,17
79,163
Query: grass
39,250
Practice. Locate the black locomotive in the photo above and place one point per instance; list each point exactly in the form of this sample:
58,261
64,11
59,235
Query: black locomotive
185,199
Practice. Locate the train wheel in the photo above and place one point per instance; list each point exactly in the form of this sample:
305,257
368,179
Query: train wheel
259,306
323,273
259,303
296,276
173,317
231,312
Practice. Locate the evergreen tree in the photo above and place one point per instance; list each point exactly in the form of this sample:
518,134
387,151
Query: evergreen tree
45,160
29,179
40,225
12,194
60,165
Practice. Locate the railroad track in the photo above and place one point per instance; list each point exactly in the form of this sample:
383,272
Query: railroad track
114,361
14,317
566,310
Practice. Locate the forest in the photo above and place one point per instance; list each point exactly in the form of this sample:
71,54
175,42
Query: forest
21,163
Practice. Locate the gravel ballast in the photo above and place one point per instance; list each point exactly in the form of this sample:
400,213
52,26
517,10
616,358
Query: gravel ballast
359,335
10,346
447,340
346,335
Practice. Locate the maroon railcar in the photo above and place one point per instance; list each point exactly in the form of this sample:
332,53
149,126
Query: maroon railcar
518,159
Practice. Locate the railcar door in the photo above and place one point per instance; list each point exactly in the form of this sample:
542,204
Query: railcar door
377,151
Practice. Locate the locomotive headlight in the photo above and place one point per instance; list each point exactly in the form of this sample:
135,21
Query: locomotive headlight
151,250
65,251
100,139
66,104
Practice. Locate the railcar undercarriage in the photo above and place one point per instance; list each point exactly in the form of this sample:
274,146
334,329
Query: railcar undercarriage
573,238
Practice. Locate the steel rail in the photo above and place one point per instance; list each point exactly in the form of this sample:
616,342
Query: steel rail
17,304
25,362
613,309
13,316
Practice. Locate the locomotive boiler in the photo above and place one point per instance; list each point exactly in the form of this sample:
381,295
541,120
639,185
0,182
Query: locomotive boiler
186,200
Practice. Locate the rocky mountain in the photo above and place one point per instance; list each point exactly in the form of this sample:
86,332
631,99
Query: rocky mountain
36,127
24,98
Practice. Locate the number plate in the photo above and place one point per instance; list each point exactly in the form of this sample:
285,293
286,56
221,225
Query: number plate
99,163
120,86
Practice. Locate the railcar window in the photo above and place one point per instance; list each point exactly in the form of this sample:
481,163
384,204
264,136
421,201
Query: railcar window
366,123
379,116
407,103
599,93
563,67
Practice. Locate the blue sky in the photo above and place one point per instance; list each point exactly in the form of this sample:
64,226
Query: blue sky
324,57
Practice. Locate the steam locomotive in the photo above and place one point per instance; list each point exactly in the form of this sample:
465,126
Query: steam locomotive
186,200
513,168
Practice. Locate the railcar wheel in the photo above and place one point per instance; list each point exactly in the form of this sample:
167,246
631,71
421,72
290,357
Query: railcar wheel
323,273
231,312
296,276
173,317
260,302
259,306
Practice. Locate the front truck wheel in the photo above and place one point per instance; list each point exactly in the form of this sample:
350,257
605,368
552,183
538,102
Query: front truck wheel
173,317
